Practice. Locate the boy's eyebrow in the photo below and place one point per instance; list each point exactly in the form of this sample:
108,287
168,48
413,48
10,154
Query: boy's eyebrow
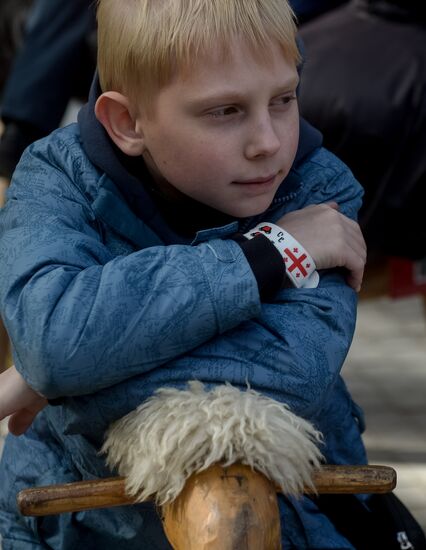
231,95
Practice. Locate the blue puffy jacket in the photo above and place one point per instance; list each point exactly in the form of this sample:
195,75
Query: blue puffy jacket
101,311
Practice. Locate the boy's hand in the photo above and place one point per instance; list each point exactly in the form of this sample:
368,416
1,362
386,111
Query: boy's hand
4,184
332,239
18,400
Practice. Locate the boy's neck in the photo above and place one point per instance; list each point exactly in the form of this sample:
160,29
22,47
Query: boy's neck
183,214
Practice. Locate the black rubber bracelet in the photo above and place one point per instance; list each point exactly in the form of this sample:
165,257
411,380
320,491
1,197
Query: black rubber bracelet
266,263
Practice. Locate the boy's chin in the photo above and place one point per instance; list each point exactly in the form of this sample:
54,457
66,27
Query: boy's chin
249,210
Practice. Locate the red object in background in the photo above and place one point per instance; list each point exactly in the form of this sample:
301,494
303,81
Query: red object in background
406,277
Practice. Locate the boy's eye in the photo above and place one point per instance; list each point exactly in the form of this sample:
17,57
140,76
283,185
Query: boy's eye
223,111
283,100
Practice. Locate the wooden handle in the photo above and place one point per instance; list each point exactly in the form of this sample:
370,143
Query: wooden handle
104,493
354,479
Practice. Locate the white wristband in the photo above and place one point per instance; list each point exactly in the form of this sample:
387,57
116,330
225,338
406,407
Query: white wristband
299,264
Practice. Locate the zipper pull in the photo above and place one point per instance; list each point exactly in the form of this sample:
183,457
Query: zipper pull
403,540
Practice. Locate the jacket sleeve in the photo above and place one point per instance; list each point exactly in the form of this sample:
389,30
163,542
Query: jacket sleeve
294,350
81,319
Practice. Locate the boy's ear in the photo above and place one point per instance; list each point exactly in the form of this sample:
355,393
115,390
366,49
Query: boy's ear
112,109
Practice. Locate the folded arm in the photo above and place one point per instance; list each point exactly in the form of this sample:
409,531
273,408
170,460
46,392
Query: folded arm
82,320
70,319
74,310
293,352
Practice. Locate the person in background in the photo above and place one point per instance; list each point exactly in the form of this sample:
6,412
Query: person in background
54,62
364,87
13,15
306,10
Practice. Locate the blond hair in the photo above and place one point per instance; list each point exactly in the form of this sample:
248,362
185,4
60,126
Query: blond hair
142,44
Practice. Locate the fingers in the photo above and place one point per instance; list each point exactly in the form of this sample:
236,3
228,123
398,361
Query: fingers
355,267
354,279
352,251
6,383
331,238
21,421
18,401
357,256
4,184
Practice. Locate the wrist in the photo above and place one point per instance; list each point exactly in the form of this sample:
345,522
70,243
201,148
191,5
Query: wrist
299,264
266,264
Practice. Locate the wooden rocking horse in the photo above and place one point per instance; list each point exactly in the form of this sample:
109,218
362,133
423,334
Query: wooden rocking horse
213,461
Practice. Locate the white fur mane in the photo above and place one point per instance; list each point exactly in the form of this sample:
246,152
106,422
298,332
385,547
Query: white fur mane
176,433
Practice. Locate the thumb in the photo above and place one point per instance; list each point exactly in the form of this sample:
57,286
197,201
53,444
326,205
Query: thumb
20,421
333,205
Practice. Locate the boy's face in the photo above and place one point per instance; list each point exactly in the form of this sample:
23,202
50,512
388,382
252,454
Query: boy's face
225,134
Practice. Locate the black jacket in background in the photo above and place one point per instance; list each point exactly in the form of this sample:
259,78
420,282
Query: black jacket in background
364,87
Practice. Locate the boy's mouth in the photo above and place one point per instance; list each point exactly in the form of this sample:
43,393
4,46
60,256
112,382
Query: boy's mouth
257,181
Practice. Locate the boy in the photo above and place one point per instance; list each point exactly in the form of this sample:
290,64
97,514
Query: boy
125,267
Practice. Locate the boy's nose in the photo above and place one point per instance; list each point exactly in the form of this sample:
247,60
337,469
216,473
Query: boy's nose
263,140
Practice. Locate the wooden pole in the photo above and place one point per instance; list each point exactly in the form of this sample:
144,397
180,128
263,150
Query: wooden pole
104,493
